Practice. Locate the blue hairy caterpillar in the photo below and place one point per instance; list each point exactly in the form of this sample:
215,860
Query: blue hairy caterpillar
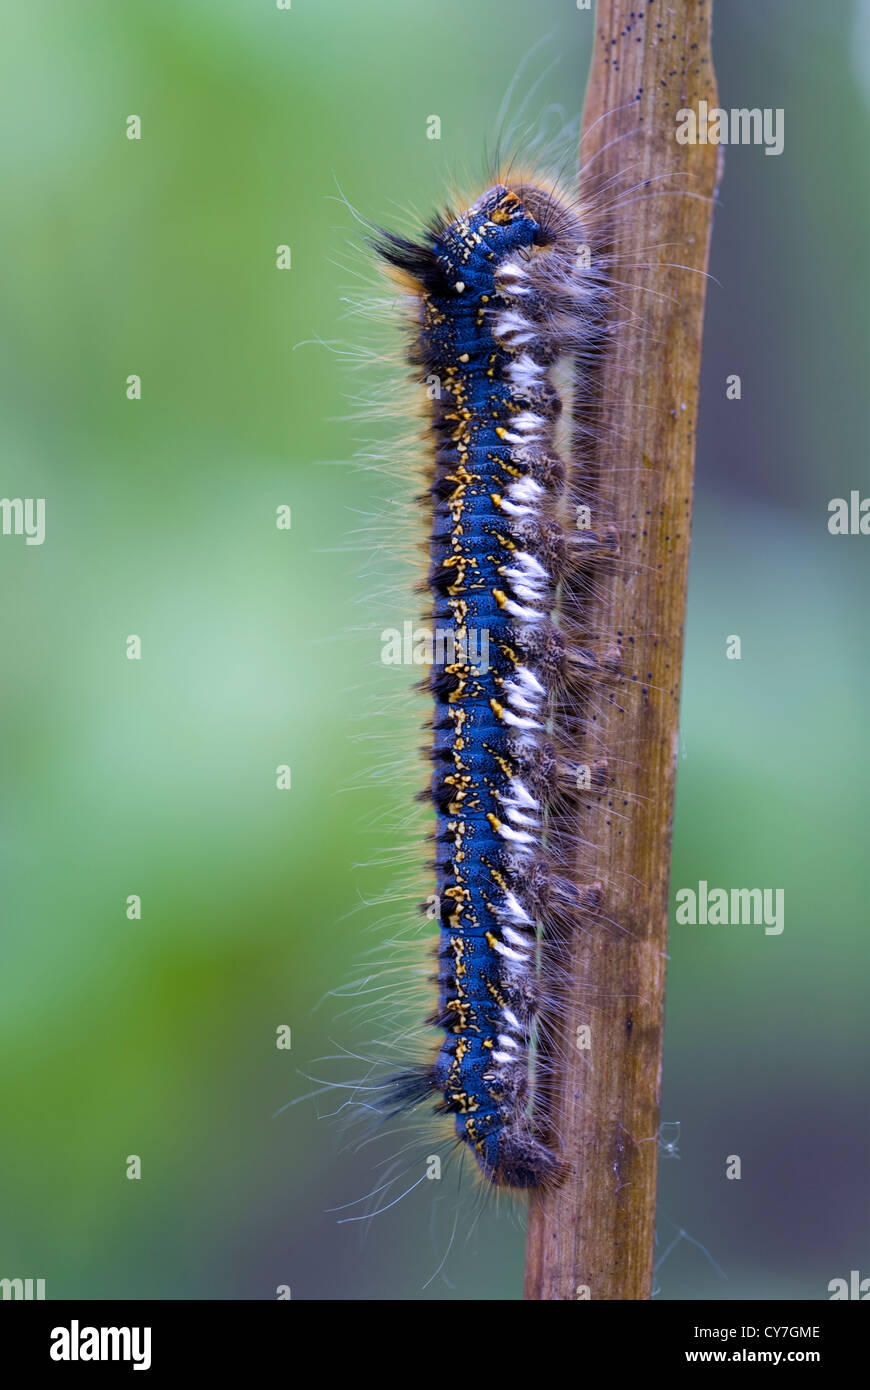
553,352
508,305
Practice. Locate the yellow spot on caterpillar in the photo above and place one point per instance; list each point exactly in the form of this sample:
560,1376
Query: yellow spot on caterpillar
471,1131
506,210
498,878
497,996
463,1102
463,1012
500,597
494,821
464,357
497,709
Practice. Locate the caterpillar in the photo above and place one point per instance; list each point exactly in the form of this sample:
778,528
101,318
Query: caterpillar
508,314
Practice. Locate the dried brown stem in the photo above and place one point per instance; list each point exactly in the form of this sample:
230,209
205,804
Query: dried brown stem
592,1236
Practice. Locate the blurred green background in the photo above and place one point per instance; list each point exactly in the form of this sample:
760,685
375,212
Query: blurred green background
261,647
